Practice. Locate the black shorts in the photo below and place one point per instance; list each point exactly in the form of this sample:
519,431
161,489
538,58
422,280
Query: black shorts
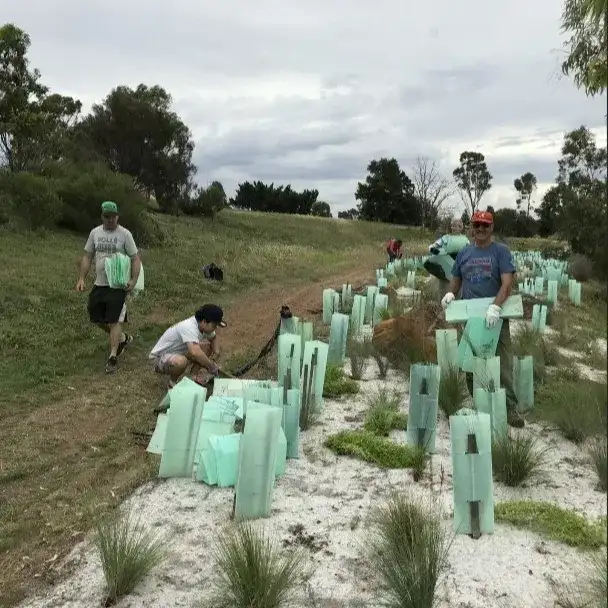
107,305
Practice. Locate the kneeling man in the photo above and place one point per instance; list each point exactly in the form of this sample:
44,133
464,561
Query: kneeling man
190,343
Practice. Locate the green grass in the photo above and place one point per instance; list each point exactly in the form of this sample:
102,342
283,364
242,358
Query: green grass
66,426
576,407
517,458
598,451
408,549
528,341
453,392
375,450
337,384
251,571
128,552
591,588
552,522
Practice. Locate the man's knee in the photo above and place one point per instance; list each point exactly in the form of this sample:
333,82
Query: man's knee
177,364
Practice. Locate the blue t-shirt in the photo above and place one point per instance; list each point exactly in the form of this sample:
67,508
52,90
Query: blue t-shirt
480,269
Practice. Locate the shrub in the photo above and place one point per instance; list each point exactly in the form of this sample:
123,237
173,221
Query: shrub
30,200
252,571
128,553
580,267
358,352
408,548
529,341
382,363
516,459
337,384
206,202
453,392
598,450
577,409
83,189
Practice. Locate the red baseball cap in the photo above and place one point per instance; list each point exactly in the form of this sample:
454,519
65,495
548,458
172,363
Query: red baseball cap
482,217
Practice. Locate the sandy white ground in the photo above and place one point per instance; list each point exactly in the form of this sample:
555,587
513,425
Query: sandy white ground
331,498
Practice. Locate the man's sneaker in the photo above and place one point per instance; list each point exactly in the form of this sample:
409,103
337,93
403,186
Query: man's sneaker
112,365
515,420
128,339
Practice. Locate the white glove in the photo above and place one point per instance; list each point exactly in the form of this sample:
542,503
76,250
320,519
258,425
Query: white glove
447,298
492,315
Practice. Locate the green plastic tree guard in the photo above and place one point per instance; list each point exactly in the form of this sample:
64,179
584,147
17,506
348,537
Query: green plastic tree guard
338,335
372,291
460,311
539,286
539,317
329,304
288,326
471,438
318,370
422,414
288,360
219,460
382,282
306,331
477,341
157,441
447,348
380,304
291,423
411,279
214,421
552,286
257,460
523,382
184,419
576,294
495,405
486,373
357,315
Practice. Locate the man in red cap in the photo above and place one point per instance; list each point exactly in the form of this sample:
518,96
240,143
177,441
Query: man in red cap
485,269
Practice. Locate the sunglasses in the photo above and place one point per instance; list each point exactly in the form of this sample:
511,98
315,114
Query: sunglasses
481,225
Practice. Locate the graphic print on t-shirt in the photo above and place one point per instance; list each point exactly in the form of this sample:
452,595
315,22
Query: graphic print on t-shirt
106,244
478,270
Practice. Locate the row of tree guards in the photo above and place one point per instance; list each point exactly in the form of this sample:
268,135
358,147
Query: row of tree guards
243,434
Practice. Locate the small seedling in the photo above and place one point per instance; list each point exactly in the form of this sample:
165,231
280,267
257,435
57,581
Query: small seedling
383,414
253,571
358,352
337,384
517,458
453,392
408,548
127,553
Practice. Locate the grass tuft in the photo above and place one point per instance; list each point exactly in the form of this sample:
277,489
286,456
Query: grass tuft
528,341
127,552
598,451
591,590
453,392
358,352
376,450
382,362
383,415
253,572
408,548
576,408
336,383
517,458
552,522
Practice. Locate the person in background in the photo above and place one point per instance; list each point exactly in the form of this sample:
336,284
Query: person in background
191,342
107,306
442,244
485,269
394,250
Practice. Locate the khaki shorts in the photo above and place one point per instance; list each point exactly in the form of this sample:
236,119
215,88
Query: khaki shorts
162,363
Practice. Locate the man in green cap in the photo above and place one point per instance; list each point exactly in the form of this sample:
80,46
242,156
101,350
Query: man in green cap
107,306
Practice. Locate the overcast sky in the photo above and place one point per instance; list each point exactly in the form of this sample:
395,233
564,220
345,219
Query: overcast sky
307,92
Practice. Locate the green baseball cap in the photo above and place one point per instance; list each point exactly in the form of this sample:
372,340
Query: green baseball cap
109,207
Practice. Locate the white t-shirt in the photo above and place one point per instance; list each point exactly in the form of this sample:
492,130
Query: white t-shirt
175,340
103,243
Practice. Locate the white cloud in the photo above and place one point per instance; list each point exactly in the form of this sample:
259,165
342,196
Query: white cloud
308,92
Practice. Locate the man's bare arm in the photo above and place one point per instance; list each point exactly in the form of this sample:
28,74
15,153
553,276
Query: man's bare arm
455,284
506,284
195,353
85,265
135,268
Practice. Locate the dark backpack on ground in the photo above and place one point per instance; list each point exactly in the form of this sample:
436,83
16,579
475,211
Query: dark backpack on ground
213,272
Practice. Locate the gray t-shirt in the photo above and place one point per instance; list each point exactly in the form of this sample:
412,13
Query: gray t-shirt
480,269
103,243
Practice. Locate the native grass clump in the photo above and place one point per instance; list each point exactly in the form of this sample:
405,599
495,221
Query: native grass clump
517,457
383,415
